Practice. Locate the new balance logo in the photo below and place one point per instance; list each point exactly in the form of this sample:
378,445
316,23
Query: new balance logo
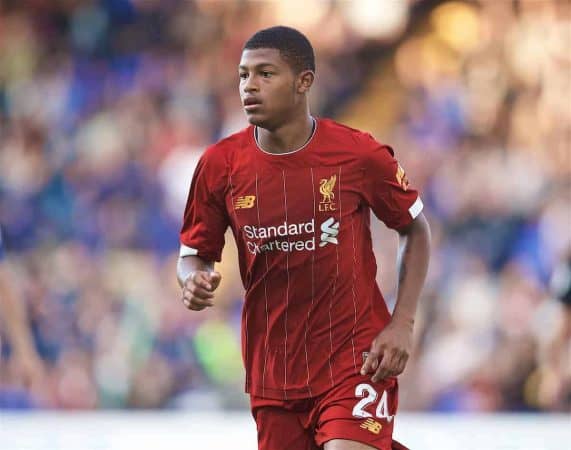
329,232
372,426
244,202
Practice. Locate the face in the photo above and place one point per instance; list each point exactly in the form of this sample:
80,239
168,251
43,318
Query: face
270,91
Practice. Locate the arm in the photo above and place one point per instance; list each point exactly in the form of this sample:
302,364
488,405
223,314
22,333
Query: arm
198,280
188,264
414,253
391,348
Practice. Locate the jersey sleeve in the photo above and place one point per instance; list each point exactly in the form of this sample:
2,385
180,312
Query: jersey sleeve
205,219
386,187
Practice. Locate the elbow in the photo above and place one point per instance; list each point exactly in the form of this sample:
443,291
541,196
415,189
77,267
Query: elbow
419,228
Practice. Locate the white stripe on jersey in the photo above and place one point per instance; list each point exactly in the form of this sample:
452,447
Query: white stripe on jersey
184,251
334,285
245,304
265,294
312,285
416,208
352,279
287,294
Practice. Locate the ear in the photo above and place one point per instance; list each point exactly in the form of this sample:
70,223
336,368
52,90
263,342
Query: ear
304,81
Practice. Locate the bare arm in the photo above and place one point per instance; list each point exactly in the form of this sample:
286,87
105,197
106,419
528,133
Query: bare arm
198,281
391,348
414,253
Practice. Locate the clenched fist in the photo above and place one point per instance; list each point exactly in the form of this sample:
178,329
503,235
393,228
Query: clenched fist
198,289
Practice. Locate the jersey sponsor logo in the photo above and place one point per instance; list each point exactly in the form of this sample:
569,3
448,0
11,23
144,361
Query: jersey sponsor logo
326,187
245,202
329,232
372,425
284,230
401,178
289,237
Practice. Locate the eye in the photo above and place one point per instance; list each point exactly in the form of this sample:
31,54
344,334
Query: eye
243,75
266,74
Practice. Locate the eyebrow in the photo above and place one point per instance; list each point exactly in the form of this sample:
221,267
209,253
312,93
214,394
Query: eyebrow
258,66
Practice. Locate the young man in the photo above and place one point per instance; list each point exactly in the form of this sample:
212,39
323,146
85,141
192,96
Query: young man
320,348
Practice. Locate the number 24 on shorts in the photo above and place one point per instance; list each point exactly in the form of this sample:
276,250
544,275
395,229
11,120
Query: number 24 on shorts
369,396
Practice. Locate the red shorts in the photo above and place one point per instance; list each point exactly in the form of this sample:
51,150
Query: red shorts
357,410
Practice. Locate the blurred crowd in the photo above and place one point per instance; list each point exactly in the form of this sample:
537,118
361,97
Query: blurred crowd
106,106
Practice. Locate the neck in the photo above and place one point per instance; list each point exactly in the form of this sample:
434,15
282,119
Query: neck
287,137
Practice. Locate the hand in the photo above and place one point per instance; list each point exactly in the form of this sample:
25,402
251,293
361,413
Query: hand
389,352
198,288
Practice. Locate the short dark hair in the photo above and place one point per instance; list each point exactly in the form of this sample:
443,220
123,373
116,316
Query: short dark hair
293,46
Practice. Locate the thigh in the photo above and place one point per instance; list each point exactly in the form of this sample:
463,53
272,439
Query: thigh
282,425
343,444
358,411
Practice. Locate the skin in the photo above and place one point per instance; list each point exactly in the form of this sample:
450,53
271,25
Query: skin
281,113
282,116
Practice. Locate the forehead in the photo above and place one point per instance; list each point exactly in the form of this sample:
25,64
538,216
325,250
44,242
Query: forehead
259,56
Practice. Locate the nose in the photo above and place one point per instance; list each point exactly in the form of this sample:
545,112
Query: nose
250,85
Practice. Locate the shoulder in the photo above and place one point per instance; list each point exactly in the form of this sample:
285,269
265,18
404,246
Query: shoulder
340,132
224,149
361,142
216,160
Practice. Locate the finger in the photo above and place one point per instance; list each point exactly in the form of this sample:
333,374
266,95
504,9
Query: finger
402,363
386,367
197,292
201,302
371,363
199,278
188,304
214,279
197,302
191,300
195,308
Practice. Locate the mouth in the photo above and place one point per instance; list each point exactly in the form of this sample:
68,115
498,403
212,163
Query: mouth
251,104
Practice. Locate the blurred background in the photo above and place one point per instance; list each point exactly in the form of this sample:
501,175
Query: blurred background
106,106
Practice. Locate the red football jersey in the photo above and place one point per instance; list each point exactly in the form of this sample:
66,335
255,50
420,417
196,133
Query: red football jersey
302,225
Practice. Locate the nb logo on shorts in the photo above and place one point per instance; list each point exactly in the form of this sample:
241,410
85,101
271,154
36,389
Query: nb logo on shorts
372,426
244,202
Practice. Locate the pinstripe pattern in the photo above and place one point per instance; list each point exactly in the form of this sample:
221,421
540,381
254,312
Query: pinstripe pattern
353,275
287,294
353,292
265,294
334,287
312,281
238,227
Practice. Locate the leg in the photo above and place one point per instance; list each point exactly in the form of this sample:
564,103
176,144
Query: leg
282,425
358,415
281,430
343,444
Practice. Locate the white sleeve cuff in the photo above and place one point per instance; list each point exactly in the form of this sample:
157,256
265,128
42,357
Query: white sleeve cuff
416,208
187,251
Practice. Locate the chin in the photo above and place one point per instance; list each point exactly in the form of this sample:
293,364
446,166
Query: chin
257,121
